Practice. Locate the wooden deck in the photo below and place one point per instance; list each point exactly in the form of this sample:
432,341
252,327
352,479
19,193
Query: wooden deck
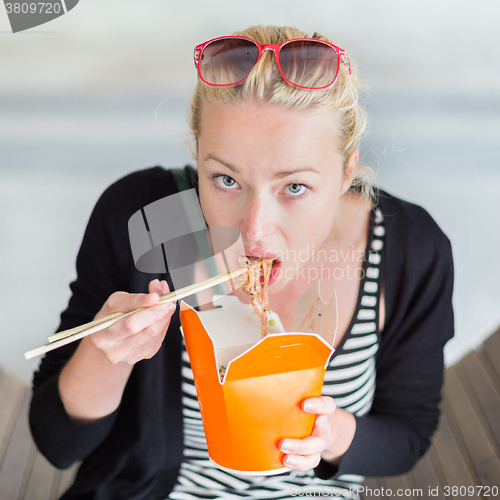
465,452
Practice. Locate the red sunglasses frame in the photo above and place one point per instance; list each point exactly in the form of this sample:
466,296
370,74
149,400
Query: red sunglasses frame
276,48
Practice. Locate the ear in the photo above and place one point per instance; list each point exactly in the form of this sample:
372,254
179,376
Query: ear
352,161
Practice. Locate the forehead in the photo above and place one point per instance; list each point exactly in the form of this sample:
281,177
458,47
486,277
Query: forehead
269,131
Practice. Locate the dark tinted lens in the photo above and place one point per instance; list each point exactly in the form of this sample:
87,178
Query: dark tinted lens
309,63
228,60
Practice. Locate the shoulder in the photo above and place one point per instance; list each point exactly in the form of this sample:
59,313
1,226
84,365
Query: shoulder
418,264
106,246
139,186
409,226
138,189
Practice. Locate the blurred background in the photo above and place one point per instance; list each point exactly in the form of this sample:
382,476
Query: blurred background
102,91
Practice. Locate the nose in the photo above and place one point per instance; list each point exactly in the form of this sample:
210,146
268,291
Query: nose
256,223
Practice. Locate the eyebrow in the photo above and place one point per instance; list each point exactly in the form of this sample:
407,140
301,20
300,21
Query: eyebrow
279,175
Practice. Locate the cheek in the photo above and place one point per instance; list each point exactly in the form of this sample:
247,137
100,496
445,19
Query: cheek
318,215
309,230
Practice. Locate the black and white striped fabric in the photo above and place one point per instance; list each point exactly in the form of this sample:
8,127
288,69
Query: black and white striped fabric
349,379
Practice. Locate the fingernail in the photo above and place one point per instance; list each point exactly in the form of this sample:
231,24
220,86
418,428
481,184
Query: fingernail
171,308
291,461
148,296
285,447
308,406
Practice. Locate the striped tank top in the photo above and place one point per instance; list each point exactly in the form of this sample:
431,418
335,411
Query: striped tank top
349,379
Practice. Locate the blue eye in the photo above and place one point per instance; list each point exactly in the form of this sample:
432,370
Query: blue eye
224,178
225,183
295,189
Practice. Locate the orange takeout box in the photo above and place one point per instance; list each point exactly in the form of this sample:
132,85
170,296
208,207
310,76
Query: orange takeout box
257,402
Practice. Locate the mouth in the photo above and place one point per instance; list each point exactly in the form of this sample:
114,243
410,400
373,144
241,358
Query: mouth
276,266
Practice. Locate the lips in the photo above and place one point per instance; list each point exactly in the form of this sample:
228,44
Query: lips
256,254
275,272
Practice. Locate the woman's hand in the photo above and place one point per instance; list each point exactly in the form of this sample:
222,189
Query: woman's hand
91,384
140,335
331,436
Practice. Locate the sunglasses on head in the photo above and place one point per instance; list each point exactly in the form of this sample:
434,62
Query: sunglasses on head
307,63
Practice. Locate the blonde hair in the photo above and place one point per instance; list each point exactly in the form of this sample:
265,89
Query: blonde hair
265,84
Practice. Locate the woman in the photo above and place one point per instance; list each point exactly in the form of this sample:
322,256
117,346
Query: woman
277,157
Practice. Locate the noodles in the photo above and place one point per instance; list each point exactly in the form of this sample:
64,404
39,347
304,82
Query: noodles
258,291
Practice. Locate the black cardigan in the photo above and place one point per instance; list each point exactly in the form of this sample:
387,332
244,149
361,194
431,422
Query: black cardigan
135,452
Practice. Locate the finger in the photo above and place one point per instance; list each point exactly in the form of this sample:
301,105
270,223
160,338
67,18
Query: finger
301,463
155,286
305,453
323,405
152,339
164,287
143,345
322,427
126,302
152,330
310,445
315,443
145,318
121,345
160,287
133,324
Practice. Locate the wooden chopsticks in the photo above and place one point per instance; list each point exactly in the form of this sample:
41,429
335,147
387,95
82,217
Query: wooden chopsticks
77,333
